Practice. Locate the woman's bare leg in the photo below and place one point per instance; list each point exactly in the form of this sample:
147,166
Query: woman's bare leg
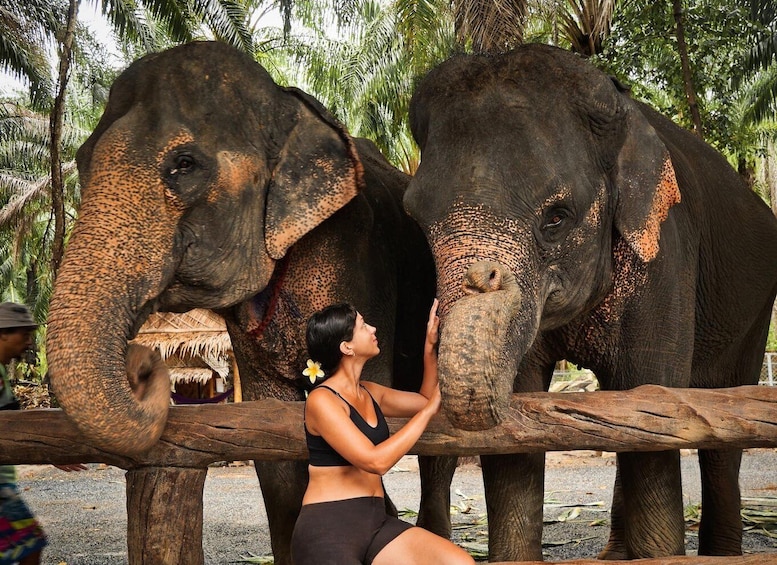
417,546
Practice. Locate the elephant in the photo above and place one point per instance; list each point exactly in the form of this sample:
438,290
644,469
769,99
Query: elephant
206,185
570,221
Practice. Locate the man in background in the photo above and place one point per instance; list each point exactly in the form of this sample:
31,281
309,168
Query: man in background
21,537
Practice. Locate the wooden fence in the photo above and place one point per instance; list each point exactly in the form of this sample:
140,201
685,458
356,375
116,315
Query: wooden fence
648,418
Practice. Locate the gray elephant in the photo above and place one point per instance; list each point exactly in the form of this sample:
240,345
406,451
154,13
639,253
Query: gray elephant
207,185
569,221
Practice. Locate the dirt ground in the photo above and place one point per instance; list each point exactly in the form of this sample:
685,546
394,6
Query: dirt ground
84,513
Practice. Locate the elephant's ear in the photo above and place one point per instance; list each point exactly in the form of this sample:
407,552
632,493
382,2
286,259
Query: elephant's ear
318,172
646,186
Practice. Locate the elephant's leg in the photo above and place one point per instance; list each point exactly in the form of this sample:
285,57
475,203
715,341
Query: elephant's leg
616,545
720,530
514,488
283,486
434,513
652,504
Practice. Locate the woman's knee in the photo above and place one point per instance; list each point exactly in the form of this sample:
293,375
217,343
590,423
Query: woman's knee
424,548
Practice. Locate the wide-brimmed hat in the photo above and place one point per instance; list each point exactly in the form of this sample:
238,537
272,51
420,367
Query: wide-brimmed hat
13,315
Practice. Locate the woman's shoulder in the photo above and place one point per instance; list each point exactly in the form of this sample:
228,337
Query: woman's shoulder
324,404
324,396
321,391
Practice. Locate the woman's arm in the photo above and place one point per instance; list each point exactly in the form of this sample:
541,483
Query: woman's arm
429,384
401,404
325,415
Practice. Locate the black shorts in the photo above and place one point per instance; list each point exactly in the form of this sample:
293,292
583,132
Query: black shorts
343,532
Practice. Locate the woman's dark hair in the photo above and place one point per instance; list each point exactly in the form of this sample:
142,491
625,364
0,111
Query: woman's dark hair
326,330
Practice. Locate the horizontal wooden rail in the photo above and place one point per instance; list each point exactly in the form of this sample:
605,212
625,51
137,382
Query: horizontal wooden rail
757,559
648,418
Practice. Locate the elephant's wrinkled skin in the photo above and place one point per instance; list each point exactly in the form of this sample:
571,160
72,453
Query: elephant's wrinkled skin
207,185
569,221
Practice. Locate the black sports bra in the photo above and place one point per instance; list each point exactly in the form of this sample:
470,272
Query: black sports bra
323,455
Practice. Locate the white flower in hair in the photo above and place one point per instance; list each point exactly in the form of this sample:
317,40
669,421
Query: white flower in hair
313,371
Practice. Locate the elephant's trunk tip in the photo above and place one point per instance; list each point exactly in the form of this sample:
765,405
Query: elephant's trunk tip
470,410
126,416
467,422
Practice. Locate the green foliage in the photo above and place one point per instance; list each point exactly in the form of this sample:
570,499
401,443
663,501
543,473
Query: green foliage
26,223
366,74
155,24
26,29
761,64
642,52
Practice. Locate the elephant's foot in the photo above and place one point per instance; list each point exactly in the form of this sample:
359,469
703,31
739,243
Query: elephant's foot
613,551
720,530
652,509
616,545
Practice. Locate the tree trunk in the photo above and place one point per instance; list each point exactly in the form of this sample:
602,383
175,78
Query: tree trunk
690,90
760,559
55,128
647,418
746,171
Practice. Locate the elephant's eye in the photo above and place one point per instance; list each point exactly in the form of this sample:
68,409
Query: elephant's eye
182,165
185,171
554,219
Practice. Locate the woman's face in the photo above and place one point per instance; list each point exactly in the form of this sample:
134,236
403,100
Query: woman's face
364,341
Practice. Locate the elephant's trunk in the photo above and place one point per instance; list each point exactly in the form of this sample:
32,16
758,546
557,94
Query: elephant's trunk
482,341
86,349
87,352
106,285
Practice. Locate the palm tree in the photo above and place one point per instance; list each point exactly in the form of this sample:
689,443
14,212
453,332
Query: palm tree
490,25
762,63
366,74
25,30
586,24
26,217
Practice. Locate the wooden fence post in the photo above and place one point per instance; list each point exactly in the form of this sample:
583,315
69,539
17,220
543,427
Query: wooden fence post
164,516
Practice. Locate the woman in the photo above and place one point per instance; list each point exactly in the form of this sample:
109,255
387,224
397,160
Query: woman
343,520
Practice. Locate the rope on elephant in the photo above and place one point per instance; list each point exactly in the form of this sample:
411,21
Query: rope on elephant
273,291
181,399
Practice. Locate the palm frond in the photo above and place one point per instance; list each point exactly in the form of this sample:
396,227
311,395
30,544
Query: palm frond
586,24
22,52
761,97
126,18
490,25
228,21
129,23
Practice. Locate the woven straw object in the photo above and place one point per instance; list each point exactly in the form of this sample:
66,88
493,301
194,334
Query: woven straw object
193,344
